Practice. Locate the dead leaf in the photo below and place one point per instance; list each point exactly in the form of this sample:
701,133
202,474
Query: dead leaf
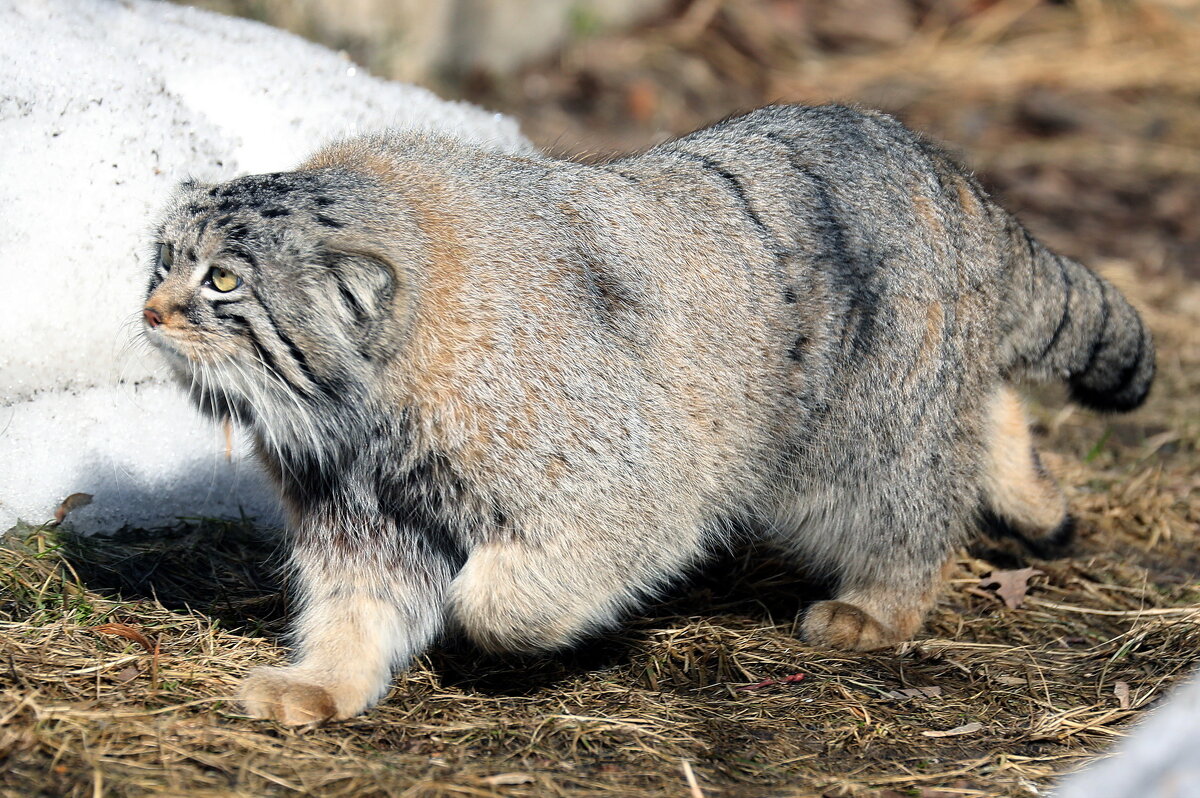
70,504
503,779
129,633
1121,691
966,728
128,674
1010,681
790,679
1011,586
915,692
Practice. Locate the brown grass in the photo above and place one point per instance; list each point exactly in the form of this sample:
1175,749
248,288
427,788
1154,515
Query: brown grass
657,708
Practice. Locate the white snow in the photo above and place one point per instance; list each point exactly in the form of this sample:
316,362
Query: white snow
104,107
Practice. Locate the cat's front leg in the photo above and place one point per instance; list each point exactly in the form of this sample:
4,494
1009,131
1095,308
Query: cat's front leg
369,601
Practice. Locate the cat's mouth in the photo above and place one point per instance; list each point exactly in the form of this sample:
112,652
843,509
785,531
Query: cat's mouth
189,346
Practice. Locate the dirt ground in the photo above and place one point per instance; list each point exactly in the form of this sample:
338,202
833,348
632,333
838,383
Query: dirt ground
117,656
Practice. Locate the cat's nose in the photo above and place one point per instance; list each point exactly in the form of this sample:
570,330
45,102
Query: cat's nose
151,316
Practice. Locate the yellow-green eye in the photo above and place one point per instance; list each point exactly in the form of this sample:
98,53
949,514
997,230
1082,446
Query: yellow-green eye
222,280
166,256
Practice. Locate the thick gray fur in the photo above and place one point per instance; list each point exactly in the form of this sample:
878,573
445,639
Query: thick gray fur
515,395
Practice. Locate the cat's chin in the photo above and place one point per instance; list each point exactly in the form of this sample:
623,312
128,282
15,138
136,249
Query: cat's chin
172,349
177,362
185,358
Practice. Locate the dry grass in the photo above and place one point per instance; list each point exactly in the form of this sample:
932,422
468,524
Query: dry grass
657,709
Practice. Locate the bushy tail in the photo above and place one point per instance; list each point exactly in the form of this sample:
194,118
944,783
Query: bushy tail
1063,321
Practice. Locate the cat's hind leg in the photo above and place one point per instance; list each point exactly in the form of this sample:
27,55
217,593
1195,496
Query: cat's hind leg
887,552
871,611
1020,498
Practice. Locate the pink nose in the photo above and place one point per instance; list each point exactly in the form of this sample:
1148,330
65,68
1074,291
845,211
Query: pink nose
151,316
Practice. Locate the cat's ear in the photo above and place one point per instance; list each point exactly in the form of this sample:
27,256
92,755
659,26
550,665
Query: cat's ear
366,286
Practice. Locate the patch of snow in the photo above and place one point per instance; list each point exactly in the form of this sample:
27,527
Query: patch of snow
104,107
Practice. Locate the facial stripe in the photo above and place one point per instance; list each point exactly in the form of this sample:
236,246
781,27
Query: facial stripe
241,253
247,328
298,358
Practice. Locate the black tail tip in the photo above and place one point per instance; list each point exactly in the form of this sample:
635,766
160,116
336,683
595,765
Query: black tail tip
1118,382
1110,402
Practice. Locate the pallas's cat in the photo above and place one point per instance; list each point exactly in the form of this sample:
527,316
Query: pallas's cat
511,396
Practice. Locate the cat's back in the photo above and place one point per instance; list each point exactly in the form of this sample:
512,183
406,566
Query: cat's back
840,191
872,260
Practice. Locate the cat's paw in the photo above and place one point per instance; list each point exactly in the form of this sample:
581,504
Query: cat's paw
285,695
836,624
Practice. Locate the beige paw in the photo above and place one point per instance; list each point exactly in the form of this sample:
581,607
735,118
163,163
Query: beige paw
836,624
284,695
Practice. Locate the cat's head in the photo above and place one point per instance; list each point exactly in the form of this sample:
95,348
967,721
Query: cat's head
270,288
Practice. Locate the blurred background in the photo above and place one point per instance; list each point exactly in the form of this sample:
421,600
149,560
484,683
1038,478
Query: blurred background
1083,115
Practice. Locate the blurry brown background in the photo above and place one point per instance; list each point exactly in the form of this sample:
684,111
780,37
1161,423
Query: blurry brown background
1083,116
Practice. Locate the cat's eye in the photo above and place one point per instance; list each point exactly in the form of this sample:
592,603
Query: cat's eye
166,256
222,280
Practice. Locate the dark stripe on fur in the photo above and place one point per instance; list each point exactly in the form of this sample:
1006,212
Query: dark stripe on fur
241,253
855,272
297,356
1066,307
615,304
735,187
268,359
1110,399
1098,343
1125,378
420,501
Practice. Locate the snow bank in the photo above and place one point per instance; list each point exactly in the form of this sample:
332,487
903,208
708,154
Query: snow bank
104,107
